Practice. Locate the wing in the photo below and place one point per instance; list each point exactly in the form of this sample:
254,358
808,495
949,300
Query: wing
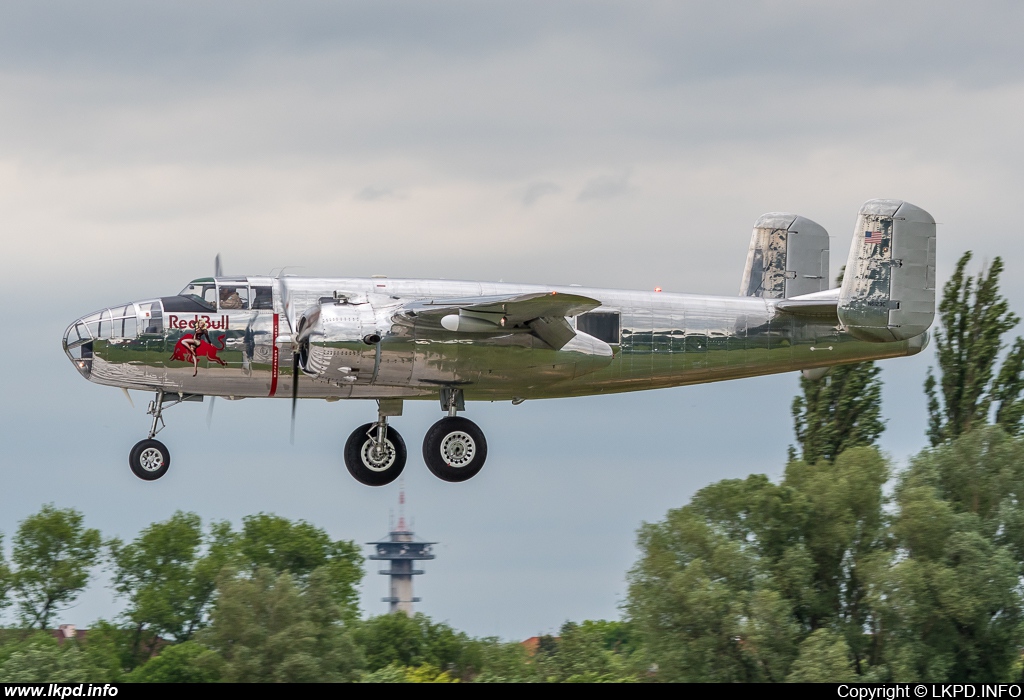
540,313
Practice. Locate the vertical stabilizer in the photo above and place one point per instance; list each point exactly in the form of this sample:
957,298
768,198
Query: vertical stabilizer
788,256
889,288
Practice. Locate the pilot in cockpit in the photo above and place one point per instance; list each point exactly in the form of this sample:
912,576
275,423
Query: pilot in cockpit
229,298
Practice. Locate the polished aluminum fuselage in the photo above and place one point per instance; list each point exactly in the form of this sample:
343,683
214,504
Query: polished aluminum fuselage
664,340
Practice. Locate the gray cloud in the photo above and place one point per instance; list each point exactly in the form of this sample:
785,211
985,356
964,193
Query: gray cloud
375,193
537,190
604,187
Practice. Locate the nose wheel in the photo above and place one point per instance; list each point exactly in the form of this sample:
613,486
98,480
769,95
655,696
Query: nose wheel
149,459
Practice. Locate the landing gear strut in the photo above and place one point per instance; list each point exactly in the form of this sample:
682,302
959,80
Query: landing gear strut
149,458
375,453
454,448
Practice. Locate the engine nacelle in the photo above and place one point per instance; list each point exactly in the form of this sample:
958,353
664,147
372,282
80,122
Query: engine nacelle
338,341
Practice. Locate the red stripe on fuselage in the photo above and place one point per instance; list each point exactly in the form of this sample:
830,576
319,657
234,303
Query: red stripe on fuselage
273,361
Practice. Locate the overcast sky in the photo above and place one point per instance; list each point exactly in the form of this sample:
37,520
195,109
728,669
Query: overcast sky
616,144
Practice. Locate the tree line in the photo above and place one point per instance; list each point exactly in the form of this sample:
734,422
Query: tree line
845,569
275,600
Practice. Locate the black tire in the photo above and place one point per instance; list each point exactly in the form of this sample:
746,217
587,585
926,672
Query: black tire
454,449
360,462
149,459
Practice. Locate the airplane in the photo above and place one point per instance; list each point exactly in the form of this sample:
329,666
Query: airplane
394,340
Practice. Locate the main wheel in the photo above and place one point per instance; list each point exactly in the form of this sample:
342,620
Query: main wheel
454,449
366,465
149,459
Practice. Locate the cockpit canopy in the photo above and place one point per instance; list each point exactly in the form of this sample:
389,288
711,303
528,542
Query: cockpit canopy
228,294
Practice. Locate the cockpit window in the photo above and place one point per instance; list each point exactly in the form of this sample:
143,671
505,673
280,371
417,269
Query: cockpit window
234,295
203,291
119,322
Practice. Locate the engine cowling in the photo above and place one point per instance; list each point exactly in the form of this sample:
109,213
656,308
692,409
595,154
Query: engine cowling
339,341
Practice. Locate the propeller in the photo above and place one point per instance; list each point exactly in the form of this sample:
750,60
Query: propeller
295,389
301,326
218,271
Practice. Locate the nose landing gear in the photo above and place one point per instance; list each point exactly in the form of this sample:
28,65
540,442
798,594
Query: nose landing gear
149,458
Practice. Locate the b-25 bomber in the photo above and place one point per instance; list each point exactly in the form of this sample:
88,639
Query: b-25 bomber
393,340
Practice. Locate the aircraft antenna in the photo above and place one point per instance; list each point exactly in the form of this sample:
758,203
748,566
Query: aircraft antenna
401,505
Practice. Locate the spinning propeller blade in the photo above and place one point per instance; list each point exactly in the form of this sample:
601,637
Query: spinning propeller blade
295,390
218,271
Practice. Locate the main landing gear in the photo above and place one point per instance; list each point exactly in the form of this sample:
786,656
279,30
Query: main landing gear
150,458
375,453
454,448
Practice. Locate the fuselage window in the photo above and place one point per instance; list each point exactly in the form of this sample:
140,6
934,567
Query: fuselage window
603,325
263,298
234,297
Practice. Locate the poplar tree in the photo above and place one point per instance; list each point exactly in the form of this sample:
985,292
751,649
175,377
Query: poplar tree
973,318
840,411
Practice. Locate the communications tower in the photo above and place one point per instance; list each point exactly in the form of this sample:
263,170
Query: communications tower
400,549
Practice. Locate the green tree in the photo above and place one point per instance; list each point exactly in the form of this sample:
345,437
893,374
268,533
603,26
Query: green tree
188,662
840,411
729,586
53,553
587,653
974,317
41,659
824,658
268,629
299,548
398,639
167,577
504,662
951,603
6,578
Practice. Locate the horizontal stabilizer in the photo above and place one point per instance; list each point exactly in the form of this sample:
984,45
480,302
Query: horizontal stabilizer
821,305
